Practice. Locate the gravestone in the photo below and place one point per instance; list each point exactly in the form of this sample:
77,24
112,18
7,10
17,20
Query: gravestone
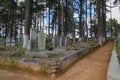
55,41
13,42
32,44
8,41
41,41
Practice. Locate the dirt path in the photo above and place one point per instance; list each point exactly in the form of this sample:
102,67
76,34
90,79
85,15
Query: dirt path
92,67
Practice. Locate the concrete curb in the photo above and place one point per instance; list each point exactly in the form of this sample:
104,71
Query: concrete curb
114,67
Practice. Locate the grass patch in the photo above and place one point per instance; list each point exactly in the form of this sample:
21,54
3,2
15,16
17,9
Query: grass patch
14,66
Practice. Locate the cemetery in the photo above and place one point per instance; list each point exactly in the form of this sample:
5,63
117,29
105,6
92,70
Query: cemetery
59,40
38,56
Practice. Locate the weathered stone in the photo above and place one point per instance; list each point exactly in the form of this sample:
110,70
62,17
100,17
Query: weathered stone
8,41
41,41
12,42
33,34
32,44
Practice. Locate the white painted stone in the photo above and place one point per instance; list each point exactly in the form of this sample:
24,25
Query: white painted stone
33,39
114,67
25,41
12,42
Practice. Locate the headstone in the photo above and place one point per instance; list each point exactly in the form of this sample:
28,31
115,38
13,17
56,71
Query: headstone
10,41
29,45
41,41
7,41
13,42
55,41
32,44
33,34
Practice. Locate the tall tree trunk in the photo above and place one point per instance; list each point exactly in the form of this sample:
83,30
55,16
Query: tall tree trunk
111,17
66,18
95,20
104,17
59,19
99,17
62,18
10,19
62,25
91,19
28,22
80,19
43,19
101,13
73,26
49,21
86,36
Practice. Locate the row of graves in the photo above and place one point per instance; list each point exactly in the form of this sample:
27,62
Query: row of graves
40,41
53,51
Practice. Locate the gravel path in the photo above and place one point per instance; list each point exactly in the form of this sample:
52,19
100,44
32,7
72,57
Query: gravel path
92,67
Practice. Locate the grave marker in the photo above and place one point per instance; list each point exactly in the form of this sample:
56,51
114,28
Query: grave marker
32,44
41,41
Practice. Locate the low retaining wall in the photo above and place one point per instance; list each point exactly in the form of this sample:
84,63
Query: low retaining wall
65,63
58,67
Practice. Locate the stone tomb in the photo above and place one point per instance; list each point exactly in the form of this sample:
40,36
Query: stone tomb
41,41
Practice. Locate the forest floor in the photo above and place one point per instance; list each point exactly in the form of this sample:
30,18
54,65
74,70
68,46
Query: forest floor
92,67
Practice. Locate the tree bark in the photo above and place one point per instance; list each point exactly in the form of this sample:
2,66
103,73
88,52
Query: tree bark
28,22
